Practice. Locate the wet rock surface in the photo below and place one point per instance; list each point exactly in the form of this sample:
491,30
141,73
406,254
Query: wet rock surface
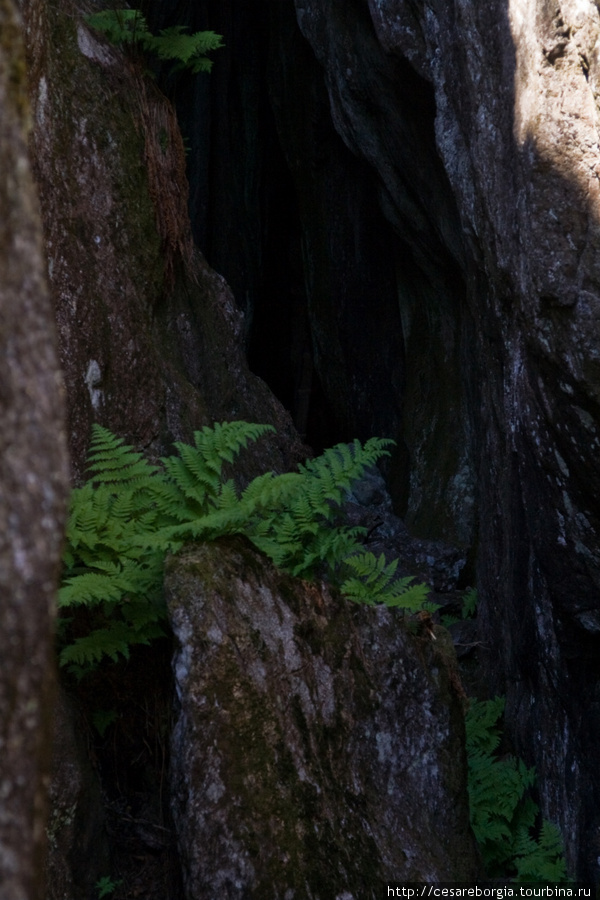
318,749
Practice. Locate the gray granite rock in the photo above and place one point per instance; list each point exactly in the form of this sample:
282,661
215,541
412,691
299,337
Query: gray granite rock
319,746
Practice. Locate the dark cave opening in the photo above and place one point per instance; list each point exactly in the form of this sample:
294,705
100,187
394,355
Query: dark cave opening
250,213
353,322
280,345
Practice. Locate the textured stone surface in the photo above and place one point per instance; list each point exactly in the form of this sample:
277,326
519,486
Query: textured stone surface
400,289
78,853
319,746
33,489
150,337
515,93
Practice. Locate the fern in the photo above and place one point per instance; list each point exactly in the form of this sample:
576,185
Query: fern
374,582
299,527
469,604
120,26
108,567
503,814
187,50
541,859
129,28
130,514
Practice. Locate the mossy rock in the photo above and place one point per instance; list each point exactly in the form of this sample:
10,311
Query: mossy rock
319,747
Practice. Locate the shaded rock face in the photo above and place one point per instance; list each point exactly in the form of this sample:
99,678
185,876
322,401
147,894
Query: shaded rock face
78,852
516,113
33,489
318,750
350,320
151,340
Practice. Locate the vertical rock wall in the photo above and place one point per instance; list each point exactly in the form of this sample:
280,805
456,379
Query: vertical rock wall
33,489
151,339
514,84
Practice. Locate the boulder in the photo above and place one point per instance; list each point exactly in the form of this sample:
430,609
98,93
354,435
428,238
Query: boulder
319,746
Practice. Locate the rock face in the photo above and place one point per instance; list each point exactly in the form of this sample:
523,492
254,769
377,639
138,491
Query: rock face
513,98
436,240
151,340
318,750
149,336
78,852
33,489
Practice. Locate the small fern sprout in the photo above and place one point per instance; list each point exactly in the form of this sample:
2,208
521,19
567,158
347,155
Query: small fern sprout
128,28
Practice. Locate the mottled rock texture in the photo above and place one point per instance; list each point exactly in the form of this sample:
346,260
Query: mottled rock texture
396,285
513,98
151,340
318,749
33,489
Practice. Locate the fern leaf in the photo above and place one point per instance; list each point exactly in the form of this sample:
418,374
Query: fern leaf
374,582
111,460
120,26
112,641
128,27
225,440
503,814
174,44
480,723
541,860
88,589
131,513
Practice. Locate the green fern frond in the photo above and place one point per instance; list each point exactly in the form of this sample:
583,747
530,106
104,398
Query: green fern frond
120,26
111,460
540,860
113,641
131,513
128,27
89,588
339,467
196,471
481,725
195,482
224,440
469,603
503,814
374,581
187,50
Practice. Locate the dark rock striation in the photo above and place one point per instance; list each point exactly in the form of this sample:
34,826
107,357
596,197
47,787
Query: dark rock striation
78,851
318,750
512,93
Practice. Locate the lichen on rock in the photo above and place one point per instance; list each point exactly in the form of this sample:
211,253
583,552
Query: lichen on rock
319,746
